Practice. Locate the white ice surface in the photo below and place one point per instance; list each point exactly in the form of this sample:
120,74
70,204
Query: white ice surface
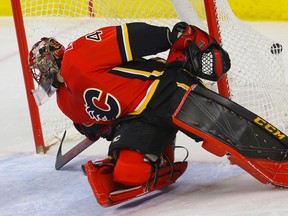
29,184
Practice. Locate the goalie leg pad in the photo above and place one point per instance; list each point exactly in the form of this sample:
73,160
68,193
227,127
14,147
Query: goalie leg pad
109,193
265,171
229,129
101,181
127,168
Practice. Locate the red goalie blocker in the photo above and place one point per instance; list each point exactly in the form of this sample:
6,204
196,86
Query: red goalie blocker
229,129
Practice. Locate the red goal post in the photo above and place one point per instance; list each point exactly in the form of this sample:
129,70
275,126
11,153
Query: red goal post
29,84
251,81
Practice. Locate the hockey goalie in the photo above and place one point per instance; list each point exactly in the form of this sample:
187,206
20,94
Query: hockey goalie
109,88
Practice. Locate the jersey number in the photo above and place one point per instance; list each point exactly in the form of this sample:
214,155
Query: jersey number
93,98
95,36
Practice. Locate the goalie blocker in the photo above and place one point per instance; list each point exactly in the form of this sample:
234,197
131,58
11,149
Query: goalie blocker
229,129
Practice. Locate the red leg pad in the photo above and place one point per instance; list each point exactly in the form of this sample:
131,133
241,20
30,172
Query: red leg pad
131,169
101,181
164,178
109,193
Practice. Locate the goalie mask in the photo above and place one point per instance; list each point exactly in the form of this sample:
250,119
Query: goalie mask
44,63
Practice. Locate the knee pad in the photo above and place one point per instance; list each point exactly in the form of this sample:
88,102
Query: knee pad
131,168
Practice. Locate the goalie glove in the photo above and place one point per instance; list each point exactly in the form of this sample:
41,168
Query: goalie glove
198,53
94,131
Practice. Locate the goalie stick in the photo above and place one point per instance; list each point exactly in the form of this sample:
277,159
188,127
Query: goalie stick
61,160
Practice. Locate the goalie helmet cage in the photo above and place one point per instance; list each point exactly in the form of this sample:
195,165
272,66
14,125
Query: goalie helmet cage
256,79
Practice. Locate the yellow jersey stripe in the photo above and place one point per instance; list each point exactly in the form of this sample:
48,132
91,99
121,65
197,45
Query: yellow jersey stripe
126,42
182,85
157,73
143,104
139,72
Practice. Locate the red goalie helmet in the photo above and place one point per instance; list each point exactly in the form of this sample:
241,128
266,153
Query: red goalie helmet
44,63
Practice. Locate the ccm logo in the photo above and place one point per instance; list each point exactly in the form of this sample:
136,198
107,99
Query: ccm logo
270,128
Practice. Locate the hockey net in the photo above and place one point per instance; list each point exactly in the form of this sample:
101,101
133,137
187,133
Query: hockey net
256,79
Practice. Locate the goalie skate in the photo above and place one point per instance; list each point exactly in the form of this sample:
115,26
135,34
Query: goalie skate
109,193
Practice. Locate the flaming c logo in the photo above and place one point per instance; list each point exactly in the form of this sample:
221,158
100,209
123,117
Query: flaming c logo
107,110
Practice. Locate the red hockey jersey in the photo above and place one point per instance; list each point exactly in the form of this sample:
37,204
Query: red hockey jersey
104,75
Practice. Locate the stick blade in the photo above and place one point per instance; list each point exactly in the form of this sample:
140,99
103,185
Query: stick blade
61,160
59,157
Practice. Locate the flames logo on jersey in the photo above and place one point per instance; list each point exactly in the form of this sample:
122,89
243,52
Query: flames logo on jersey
94,106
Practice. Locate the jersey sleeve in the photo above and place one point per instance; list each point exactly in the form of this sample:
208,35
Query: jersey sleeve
111,46
137,40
